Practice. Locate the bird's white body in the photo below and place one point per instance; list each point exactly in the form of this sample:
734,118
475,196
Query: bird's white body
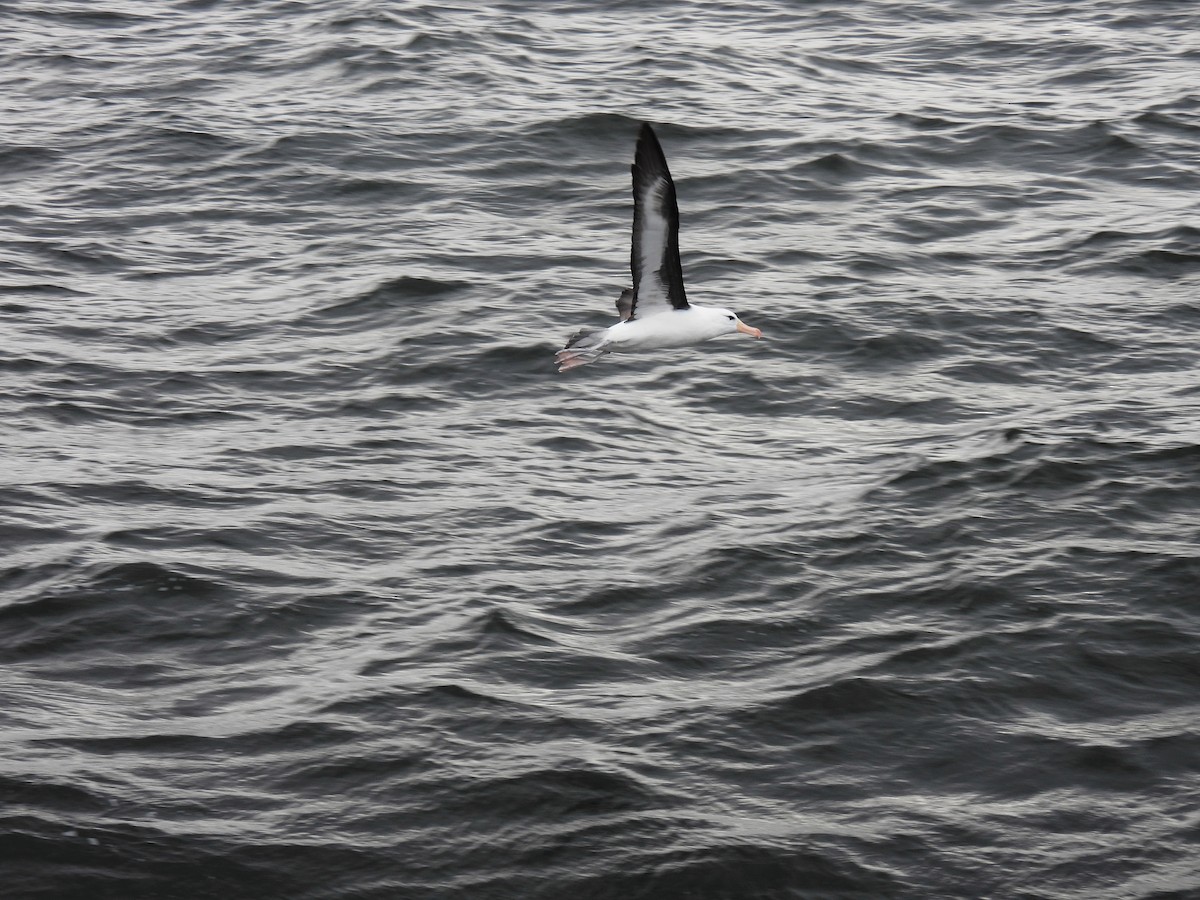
661,331
655,312
673,328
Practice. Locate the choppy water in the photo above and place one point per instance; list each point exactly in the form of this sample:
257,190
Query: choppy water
318,582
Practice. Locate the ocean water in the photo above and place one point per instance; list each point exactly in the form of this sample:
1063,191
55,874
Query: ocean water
318,582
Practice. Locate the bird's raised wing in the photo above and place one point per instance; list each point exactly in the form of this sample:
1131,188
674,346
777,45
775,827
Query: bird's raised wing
657,273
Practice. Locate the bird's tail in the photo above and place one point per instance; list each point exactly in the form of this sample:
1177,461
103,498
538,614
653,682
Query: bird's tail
585,346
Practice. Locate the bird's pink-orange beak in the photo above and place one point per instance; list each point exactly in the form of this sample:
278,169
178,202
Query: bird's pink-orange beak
746,329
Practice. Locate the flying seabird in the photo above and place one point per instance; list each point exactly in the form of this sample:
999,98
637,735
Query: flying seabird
655,313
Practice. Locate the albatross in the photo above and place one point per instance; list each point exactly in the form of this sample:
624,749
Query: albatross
655,313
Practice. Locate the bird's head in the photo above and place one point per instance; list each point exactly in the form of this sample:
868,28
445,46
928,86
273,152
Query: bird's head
733,323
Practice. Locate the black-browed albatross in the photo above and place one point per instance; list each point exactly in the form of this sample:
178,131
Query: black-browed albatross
655,313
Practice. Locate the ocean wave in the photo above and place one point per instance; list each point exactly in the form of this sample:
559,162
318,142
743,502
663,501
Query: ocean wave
321,583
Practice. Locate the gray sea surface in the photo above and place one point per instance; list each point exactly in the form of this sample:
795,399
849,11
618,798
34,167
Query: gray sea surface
317,581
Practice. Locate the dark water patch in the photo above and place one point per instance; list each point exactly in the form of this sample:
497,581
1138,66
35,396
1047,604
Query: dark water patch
1169,252
569,132
1184,457
986,372
556,667
1163,263
1091,768
27,794
934,222
531,358
387,406
927,121
964,593
112,861
174,139
792,257
85,257
500,626
355,60
135,492
615,601
355,773
296,737
849,697
368,21
873,266
264,535
750,187
851,549
569,444
1049,476
406,295
1161,121
574,789
17,160
158,745
14,535
100,667
1180,314
1142,657
1083,342
463,709
135,578
210,333
961,651
380,190
1107,470
898,347
95,412
1058,149
19,579
222,699
834,168
39,290
725,869
127,597
759,562
304,147
160,538
952,474
300,452
930,409
720,643
1087,75
152,627
451,365
459,696
830,66
819,332
98,18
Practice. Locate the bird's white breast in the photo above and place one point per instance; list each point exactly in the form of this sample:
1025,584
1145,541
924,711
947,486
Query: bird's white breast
675,328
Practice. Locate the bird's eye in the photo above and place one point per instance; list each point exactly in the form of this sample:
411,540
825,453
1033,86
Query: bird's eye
731,318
